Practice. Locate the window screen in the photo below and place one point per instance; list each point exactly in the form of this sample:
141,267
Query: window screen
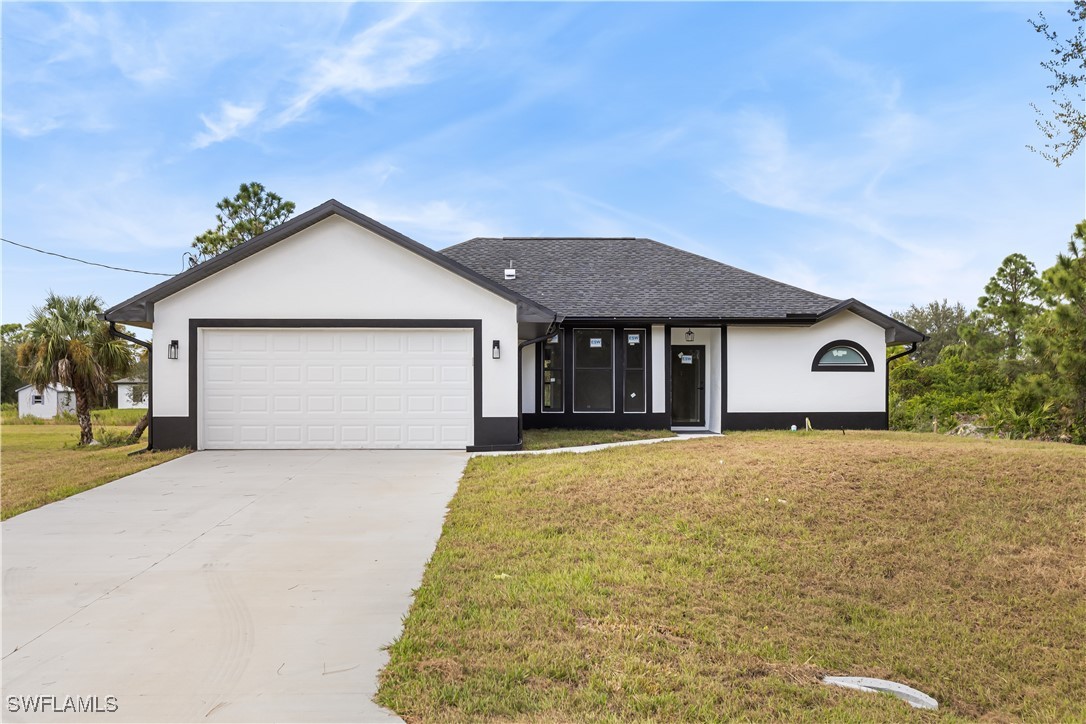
593,370
633,393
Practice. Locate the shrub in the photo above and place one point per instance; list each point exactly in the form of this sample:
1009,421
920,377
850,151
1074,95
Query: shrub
111,438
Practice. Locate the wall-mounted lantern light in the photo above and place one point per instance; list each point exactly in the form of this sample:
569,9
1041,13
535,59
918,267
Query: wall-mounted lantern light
689,335
171,351
496,350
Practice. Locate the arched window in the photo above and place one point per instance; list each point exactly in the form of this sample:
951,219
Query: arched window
842,355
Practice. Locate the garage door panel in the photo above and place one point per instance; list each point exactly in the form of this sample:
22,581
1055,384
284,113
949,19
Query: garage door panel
320,373
456,345
267,388
387,434
220,373
419,344
421,434
421,403
388,343
387,403
254,434
418,374
354,373
454,374
387,374
252,373
286,434
454,404
357,434
251,343
320,403
254,403
317,342
355,403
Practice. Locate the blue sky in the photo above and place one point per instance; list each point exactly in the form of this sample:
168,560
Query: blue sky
875,151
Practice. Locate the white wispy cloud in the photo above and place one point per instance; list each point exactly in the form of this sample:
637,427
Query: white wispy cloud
388,54
227,123
394,52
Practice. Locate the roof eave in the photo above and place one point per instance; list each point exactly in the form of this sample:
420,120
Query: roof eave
896,332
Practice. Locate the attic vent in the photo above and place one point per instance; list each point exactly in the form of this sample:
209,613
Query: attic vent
510,272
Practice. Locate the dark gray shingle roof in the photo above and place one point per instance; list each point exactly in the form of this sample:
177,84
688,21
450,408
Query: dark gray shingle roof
634,278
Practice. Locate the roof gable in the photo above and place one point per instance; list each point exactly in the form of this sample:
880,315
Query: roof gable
139,310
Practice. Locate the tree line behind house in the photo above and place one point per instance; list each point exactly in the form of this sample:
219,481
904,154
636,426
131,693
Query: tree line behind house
1014,366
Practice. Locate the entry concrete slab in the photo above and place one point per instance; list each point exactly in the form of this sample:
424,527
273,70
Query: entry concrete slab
222,586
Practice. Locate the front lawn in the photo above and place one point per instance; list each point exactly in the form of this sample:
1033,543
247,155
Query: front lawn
42,463
552,438
720,578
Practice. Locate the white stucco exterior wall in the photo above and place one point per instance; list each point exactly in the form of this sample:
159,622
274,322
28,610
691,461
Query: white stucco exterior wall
708,337
769,368
527,378
335,269
659,378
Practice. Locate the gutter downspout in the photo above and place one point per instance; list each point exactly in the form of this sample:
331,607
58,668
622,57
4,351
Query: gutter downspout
553,327
911,348
114,332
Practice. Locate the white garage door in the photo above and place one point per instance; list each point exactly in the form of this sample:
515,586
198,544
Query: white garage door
336,388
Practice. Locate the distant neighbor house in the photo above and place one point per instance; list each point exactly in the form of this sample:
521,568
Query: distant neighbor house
335,331
50,402
131,393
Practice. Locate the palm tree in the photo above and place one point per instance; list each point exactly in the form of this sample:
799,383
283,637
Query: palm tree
66,343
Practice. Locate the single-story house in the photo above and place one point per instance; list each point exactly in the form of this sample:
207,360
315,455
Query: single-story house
131,393
47,403
335,331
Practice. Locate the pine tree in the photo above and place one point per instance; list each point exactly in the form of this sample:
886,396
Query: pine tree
250,213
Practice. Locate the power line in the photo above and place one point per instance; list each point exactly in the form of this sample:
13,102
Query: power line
83,261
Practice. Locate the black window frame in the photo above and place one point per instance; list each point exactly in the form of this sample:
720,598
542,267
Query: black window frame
818,366
561,370
573,378
643,369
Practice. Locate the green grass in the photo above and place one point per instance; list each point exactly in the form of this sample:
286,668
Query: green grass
127,418
10,416
719,579
550,439
43,463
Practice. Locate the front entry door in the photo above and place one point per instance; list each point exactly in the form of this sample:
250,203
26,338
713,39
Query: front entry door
687,386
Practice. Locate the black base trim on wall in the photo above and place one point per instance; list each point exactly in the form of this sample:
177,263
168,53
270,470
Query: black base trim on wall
597,420
496,431
819,420
174,432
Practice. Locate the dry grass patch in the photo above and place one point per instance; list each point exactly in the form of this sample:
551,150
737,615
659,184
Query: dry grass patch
42,463
719,578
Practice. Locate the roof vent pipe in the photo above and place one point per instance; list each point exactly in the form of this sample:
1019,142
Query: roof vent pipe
510,272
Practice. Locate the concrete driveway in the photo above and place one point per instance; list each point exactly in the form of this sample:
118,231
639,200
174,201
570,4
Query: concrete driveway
222,586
